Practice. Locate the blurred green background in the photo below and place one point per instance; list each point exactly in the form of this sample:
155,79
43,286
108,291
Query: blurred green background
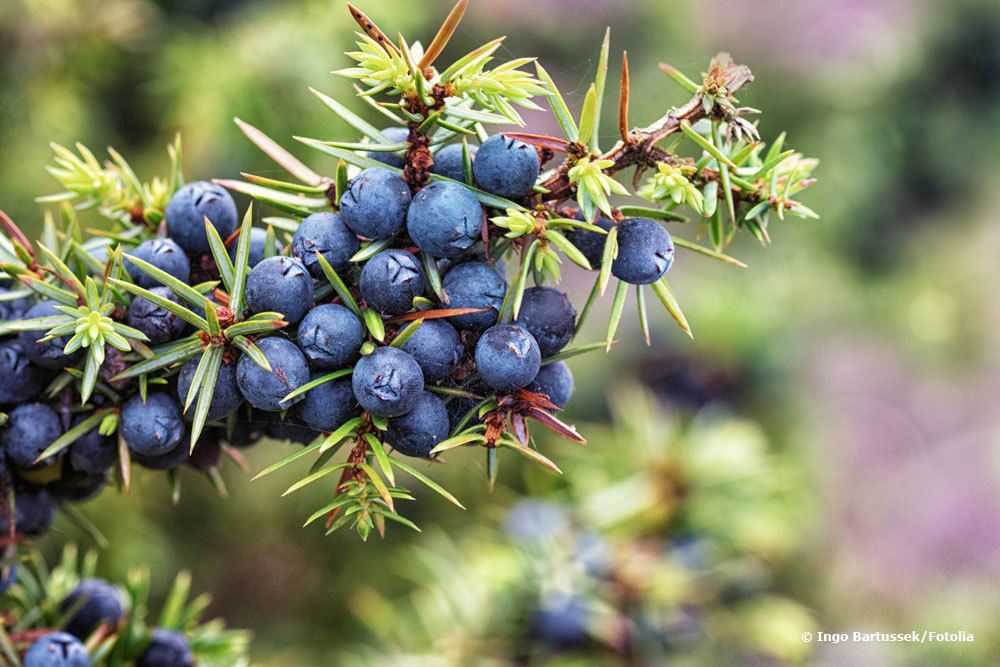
864,344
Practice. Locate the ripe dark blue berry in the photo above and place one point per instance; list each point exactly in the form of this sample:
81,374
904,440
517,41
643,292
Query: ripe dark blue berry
418,431
507,357
76,487
549,316
13,310
167,648
258,247
327,234
458,407
394,135
32,514
159,324
282,285
165,255
330,336
188,209
437,347
96,602
450,163
265,389
31,428
475,285
591,244
327,406
533,520
562,622
50,353
375,204
22,379
391,280
445,219
555,381
153,428
226,396
166,461
506,167
246,428
387,382
290,429
93,453
645,251
57,649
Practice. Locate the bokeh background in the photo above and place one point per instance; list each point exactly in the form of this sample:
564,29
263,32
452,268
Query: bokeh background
861,349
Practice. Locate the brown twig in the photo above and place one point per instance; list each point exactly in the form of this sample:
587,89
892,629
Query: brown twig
640,148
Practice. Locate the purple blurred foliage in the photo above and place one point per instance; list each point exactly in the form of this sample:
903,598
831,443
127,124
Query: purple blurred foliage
912,475
810,33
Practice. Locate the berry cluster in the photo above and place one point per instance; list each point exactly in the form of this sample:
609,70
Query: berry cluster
664,547
391,312
65,617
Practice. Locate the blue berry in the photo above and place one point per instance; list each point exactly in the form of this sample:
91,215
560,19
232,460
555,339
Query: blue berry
591,244
282,285
327,406
549,316
394,135
330,336
265,389
22,379
594,553
153,428
13,310
532,520
165,255
437,347
290,429
93,453
418,431
96,602
258,247
448,162
159,324
387,382
226,396
507,357
57,649
32,514
458,407
645,251
391,280
561,622
207,452
375,204
167,648
555,381
31,428
445,219
327,234
506,167
475,285
50,353
245,430
168,460
76,487
188,209
6,479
